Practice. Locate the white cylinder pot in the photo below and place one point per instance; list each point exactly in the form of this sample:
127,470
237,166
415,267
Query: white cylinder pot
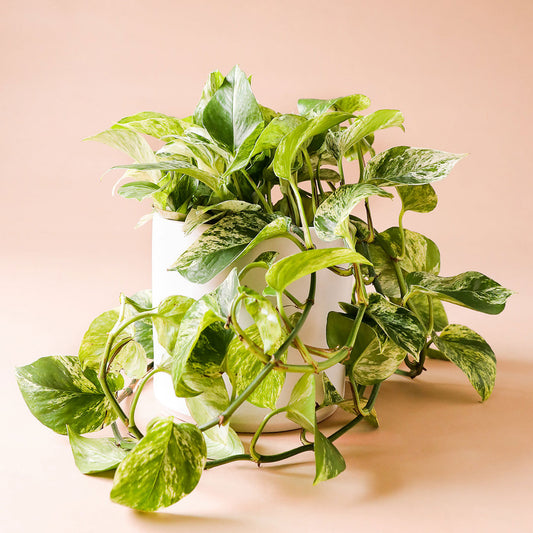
169,242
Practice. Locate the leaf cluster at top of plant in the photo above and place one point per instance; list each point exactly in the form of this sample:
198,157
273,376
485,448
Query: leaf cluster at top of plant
220,166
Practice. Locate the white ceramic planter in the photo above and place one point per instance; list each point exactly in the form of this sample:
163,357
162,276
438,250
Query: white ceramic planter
168,242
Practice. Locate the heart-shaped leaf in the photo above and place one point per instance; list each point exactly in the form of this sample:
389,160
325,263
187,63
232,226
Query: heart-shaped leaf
301,406
419,198
164,466
329,461
471,353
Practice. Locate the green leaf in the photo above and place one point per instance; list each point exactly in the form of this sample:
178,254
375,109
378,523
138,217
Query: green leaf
221,441
138,190
470,289
265,317
298,139
167,322
229,239
471,353
232,114
215,80
132,359
244,152
128,141
289,269
329,461
383,118
164,466
435,354
421,304
374,357
95,455
143,329
331,395
59,392
301,406
263,260
243,366
404,165
208,178
156,125
275,131
419,198
400,324
310,107
95,338
338,206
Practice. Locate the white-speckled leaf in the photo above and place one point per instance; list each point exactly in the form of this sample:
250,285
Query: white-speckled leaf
418,198
221,441
301,406
265,316
329,461
243,366
275,131
403,165
363,126
94,455
131,359
59,392
165,466
156,125
338,206
471,353
289,269
311,107
469,289
400,324
421,304
299,138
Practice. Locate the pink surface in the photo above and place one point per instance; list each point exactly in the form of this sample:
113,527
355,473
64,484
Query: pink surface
459,71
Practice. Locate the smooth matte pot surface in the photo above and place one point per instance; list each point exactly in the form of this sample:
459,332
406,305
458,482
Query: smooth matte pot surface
169,242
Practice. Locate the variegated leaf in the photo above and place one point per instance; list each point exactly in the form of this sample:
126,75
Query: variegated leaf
338,206
275,131
403,165
301,406
418,198
328,460
311,107
156,125
469,289
59,392
471,353
165,466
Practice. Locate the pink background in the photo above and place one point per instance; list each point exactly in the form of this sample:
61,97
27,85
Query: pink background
460,72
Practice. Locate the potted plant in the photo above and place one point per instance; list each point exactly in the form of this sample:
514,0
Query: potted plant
254,237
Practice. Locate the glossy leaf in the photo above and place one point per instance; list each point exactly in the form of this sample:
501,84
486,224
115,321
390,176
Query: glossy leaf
310,107
383,118
337,207
128,141
289,269
219,246
244,152
301,406
400,324
164,466
167,322
215,80
233,113
331,394
132,359
329,461
299,138
94,455
421,305
265,317
243,366
471,353
138,190
59,392
156,125
221,440
142,329
404,165
275,131
419,198
470,289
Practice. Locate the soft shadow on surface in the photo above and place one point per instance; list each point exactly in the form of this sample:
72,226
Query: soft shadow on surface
166,520
433,430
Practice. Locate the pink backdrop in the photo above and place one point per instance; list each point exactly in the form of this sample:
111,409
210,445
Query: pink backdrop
460,72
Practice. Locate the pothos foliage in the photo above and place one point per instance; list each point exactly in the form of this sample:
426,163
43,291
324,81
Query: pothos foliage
220,166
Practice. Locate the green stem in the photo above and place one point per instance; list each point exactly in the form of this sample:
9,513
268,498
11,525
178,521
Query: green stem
257,191
312,180
260,429
430,315
341,170
363,409
307,234
294,207
402,233
239,400
318,180
131,426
